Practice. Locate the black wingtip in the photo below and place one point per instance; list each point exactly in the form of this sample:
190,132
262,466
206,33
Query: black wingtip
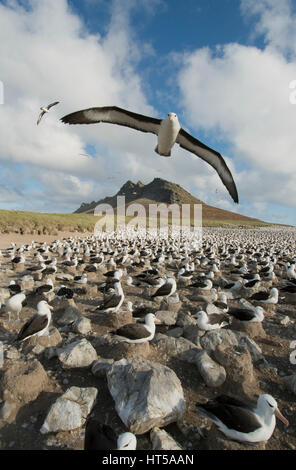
64,119
233,193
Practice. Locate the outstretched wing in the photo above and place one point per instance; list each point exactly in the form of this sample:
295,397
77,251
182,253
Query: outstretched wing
40,117
114,115
213,158
52,104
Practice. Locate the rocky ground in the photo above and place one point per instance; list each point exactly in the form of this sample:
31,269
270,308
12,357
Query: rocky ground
71,369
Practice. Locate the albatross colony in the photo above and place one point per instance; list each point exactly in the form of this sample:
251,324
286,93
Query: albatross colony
65,339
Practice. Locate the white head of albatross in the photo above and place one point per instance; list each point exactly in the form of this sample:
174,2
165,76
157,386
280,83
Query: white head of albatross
168,131
127,441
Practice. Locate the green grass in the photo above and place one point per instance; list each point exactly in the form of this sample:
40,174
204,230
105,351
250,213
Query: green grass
52,224
33,222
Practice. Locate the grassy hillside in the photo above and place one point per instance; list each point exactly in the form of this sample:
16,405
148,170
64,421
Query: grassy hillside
46,224
51,224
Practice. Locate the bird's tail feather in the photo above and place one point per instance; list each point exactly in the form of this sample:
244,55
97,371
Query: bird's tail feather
162,154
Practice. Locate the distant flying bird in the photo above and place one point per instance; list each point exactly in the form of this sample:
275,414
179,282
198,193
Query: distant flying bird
167,130
45,109
85,155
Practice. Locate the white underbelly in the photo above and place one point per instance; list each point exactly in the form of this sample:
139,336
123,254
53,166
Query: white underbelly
166,138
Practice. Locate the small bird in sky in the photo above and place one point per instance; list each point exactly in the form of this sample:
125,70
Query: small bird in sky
168,131
45,109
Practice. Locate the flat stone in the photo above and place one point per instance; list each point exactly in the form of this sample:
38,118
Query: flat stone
82,326
193,333
70,410
77,354
172,346
70,315
12,353
115,320
161,440
213,374
167,317
64,305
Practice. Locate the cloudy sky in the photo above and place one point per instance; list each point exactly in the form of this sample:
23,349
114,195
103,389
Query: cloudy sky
227,67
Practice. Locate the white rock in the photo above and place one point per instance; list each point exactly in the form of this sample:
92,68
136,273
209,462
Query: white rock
77,354
167,317
82,326
70,410
63,415
146,394
161,440
213,374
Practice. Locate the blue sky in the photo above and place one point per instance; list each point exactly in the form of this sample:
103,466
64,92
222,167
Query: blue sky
223,66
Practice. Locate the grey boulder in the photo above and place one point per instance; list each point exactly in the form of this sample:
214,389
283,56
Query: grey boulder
146,394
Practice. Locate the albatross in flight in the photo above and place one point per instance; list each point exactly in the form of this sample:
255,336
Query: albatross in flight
168,131
45,109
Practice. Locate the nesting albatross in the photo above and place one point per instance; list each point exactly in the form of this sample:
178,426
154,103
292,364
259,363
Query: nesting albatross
99,436
137,332
38,324
240,422
168,133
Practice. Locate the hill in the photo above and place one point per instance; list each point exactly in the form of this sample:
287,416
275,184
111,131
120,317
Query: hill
162,191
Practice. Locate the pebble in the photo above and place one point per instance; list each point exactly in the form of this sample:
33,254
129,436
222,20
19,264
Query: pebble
291,446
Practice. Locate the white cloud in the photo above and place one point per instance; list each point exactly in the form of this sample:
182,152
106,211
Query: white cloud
47,54
275,21
242,94
238,93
